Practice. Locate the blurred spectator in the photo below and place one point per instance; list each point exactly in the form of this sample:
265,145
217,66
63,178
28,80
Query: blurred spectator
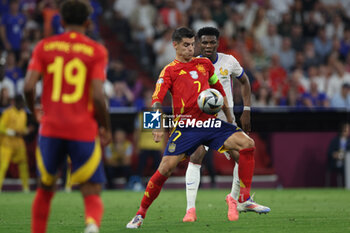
337,80
272,41
125,7
204,21
5,99
122,95
233,24
299,62
314,98
314,76
277,75
13,126
295,88
183,5
14,76
164,50
4,6
170,14
281,7
345,44
293,99
96,13
261,60
49,9
25,55
335,28
260,24
12,28
248,9
311,25
342,99
297,12
118,157
311,58
194,12
263,98
338,147
57,27
285,26
287,54
117,71
323,46
218,12
142,21
297,38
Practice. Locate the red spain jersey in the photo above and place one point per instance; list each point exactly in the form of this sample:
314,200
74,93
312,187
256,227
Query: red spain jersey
185,81
68,63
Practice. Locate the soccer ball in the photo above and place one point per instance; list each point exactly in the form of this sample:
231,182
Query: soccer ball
210,101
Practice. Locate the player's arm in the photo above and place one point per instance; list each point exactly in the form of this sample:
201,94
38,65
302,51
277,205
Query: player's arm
162,86
31,78
214,82
246,94
98,96
33,75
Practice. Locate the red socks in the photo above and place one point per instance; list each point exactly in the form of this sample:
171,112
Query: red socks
93,209
41,210
153,189
245,172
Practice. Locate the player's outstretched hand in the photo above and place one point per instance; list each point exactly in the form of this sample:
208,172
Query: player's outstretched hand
245,121
105,136
157,135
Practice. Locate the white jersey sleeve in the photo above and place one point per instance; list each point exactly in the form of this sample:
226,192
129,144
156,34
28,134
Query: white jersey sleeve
236,69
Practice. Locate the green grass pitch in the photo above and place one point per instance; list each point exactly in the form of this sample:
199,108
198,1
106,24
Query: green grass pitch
292,210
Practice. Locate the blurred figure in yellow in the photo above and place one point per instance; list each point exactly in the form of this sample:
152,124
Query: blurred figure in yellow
13,126
118,157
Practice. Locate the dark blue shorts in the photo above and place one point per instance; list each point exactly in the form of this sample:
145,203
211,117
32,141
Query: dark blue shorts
86,158
188,139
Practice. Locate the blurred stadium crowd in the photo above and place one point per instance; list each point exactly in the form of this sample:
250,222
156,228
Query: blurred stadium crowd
296,53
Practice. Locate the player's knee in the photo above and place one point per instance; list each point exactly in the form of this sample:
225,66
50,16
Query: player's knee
89,188
196,158
166,170
248,143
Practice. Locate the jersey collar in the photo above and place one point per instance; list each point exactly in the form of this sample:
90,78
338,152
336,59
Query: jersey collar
217,58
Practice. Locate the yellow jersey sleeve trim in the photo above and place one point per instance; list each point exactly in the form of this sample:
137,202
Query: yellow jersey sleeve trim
213,79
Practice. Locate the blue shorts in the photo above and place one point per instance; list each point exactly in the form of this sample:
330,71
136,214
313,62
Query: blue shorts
188,139
86,158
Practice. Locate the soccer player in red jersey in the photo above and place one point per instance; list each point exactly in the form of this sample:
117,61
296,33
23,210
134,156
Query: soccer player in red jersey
73,70
185,78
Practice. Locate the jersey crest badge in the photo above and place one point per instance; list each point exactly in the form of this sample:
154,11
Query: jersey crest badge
182,72
201,68
194,74
172,147
223,72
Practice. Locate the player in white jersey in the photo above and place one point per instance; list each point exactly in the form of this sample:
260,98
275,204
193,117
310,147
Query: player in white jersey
226,68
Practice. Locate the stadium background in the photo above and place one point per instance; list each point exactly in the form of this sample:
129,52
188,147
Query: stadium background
285,47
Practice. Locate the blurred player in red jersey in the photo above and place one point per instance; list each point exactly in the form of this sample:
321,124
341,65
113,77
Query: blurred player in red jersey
73,69
185,78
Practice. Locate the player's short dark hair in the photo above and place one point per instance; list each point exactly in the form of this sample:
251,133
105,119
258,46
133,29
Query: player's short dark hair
208,31
182,32
75,12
